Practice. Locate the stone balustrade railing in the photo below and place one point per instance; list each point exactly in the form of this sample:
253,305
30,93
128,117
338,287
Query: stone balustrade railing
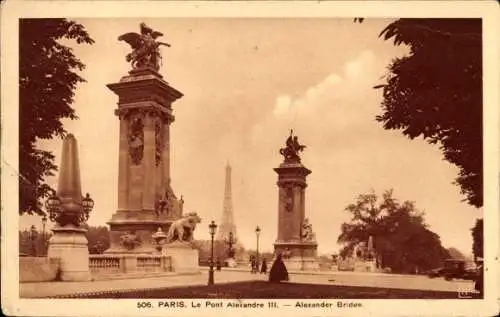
111,263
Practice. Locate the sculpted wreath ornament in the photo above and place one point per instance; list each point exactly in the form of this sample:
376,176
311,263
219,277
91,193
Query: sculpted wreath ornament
130,241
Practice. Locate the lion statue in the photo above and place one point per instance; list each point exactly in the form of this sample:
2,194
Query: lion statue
182,229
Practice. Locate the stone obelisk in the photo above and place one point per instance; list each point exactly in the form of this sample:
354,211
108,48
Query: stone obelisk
146,200
296,241
68,243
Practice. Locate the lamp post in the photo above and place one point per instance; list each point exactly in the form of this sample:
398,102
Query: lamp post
257,233
88,205
53,205
212,227
69,211
33,236
44,237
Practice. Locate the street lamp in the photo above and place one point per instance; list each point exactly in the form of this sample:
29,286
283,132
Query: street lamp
212,227
69,212
53,205
257,233
44,237
88,205
33,236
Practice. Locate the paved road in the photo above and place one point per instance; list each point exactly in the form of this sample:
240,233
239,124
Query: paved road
385,281
50,289
382,280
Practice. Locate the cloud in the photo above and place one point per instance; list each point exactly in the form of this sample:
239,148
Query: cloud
283,105
359,66
341,106
333,87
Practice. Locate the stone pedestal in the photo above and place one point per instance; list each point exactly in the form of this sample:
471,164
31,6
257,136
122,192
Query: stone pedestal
70,246
146,200
298,255
183,256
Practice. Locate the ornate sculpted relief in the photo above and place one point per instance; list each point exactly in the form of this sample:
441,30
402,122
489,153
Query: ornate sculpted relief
289,198
307,233
158,142
130,240
136,140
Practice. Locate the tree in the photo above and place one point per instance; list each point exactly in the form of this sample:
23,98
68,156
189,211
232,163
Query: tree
204,248
456,254
477,239
47,80
436,92
401,239
41,243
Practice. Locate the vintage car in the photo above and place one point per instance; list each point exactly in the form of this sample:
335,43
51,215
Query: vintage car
435,272
455,269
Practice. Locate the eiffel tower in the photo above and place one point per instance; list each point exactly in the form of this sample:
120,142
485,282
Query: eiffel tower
227,223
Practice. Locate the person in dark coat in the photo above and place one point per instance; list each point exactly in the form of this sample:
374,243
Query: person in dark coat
253,263
263,268
278,271
218,264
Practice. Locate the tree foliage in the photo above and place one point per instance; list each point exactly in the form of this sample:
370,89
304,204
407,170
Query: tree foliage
33,245
47,80
456,254
435,92
401,239
97,237
477,239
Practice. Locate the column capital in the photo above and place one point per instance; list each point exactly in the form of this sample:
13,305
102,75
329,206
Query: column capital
144,111
286,183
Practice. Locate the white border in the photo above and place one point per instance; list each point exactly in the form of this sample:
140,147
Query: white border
12,10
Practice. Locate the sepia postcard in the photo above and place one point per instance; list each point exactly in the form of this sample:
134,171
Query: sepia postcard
259,158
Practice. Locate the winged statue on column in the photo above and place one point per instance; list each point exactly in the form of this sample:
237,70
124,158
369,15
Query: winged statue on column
146,48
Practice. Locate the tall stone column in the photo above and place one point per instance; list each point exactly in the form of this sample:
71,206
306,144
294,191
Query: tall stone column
166,152
147,100
299,251
298,212
148,195
281,208
303,201
123,162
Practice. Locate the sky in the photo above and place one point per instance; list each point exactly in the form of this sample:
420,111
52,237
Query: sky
246,83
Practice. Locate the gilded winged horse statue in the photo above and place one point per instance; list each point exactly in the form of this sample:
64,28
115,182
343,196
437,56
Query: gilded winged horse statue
146,52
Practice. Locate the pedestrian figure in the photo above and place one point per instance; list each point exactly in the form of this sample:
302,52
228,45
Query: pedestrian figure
219,265
278,270
253,262
263,268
